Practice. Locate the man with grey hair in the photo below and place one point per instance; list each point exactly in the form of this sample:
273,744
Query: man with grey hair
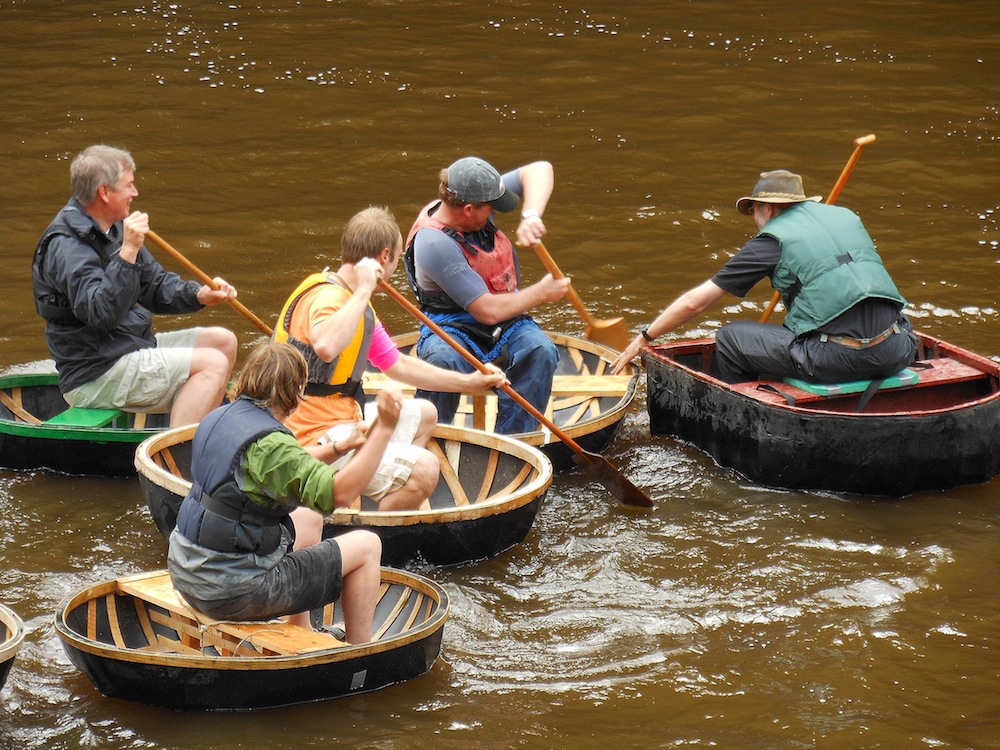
464,272
845,318
98,288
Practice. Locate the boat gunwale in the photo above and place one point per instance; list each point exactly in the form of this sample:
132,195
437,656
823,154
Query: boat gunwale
523,495
263,662
990,368
15,627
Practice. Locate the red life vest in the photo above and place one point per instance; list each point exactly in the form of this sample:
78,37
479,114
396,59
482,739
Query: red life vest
496,267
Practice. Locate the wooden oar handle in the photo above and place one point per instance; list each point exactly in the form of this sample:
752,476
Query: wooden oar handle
472,360
552,268
204,278
859,143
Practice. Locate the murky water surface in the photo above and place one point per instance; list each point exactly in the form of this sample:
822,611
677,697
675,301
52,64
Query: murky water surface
730,615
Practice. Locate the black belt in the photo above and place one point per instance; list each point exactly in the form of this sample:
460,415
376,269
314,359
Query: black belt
861,343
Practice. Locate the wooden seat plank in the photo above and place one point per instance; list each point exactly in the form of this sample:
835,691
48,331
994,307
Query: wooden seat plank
586,384
78,417
938,371
281,638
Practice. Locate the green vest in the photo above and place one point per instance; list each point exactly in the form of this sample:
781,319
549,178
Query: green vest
828,264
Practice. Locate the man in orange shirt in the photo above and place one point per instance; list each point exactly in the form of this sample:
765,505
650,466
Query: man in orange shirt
329,318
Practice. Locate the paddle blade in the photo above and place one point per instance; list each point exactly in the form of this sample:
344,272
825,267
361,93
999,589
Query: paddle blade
611,333
617,483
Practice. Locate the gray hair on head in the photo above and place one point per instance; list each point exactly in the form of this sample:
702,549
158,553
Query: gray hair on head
95,166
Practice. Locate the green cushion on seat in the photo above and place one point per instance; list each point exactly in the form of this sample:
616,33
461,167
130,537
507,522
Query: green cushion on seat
900,380
77,417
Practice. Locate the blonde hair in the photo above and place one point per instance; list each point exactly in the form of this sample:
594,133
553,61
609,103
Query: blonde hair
274,376
368,233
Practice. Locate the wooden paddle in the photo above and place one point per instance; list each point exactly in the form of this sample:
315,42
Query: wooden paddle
610,332
593,463
204,278
859,143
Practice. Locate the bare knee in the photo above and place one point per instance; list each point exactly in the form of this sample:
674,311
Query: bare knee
360,549
425,475
428,412
428,422
211,362
222,340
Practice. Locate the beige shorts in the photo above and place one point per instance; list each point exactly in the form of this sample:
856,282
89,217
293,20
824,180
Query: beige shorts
400,454
143,381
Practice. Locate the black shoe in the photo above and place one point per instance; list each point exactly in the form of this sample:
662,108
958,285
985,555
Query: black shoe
337,632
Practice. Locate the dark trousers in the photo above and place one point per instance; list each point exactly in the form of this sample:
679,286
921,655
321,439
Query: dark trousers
530,366
749,351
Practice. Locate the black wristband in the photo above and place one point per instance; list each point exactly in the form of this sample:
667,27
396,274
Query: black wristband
645,335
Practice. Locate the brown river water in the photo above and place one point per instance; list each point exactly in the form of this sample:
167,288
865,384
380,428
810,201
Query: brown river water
729,616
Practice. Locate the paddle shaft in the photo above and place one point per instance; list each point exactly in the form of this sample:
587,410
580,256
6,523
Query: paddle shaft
204,278
552,268
608,332
613,479
472,360
859,143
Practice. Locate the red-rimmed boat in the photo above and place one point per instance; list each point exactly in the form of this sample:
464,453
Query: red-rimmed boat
936,428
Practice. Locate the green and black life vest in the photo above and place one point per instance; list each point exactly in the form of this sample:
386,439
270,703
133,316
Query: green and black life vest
828,264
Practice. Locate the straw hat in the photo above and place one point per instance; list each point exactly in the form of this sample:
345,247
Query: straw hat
779,186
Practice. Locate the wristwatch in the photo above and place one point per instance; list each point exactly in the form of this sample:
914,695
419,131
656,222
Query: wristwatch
645,335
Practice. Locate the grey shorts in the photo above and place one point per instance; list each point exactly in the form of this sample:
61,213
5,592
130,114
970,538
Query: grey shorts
303,580
144,381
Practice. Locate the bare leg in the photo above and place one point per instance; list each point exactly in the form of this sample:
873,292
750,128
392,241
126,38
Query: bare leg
426,472
212,361
417,488
428,421
362,555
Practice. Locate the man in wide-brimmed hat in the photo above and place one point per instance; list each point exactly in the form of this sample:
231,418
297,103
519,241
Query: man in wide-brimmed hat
844,317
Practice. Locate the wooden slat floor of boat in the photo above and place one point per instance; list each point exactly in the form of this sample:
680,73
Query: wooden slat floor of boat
448,473
196,629
165,460
938,372
576,397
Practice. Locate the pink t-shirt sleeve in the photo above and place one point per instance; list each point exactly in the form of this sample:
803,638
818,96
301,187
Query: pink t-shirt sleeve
383,353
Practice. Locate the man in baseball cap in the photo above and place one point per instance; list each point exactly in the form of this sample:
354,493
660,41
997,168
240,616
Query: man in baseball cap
464,272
